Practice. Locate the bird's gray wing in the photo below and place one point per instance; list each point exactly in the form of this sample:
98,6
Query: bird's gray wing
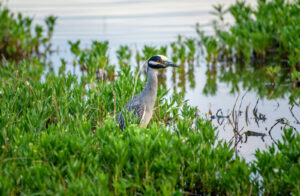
138,111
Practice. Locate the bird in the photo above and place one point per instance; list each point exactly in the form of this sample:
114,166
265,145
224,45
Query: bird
141,106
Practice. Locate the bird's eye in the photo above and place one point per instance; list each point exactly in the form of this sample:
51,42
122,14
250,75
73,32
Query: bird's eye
159,61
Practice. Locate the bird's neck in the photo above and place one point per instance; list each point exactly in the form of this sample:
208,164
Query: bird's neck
150,89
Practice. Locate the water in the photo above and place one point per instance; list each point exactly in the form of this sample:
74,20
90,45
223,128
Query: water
136,23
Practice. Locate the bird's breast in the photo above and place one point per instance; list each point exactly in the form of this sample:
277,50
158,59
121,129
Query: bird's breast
147,118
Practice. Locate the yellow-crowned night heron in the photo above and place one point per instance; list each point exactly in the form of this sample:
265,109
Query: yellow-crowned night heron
143,103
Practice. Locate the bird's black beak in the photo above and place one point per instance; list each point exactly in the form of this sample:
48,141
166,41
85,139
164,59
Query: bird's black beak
170,64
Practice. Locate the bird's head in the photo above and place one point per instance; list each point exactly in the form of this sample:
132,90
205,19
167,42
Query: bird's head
159,62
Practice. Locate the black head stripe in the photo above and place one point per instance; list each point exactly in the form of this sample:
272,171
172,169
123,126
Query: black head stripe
158,66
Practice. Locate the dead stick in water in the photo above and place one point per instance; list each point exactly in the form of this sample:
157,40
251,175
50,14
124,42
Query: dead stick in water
291,110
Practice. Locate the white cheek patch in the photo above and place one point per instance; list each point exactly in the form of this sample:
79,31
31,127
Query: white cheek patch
163,58
153,63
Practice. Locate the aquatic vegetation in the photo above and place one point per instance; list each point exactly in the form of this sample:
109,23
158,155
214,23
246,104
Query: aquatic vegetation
93,62
242,120
124,55
269,82
261,36
184,53
17,38
265,32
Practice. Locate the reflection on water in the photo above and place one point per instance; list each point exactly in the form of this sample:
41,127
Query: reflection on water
240,119
258,79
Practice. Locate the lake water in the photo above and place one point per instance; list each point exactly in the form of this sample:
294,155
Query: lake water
153,22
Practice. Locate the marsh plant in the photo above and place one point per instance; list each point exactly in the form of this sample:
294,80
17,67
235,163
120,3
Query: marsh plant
95,62
269,82
261,39
265,32
20,39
